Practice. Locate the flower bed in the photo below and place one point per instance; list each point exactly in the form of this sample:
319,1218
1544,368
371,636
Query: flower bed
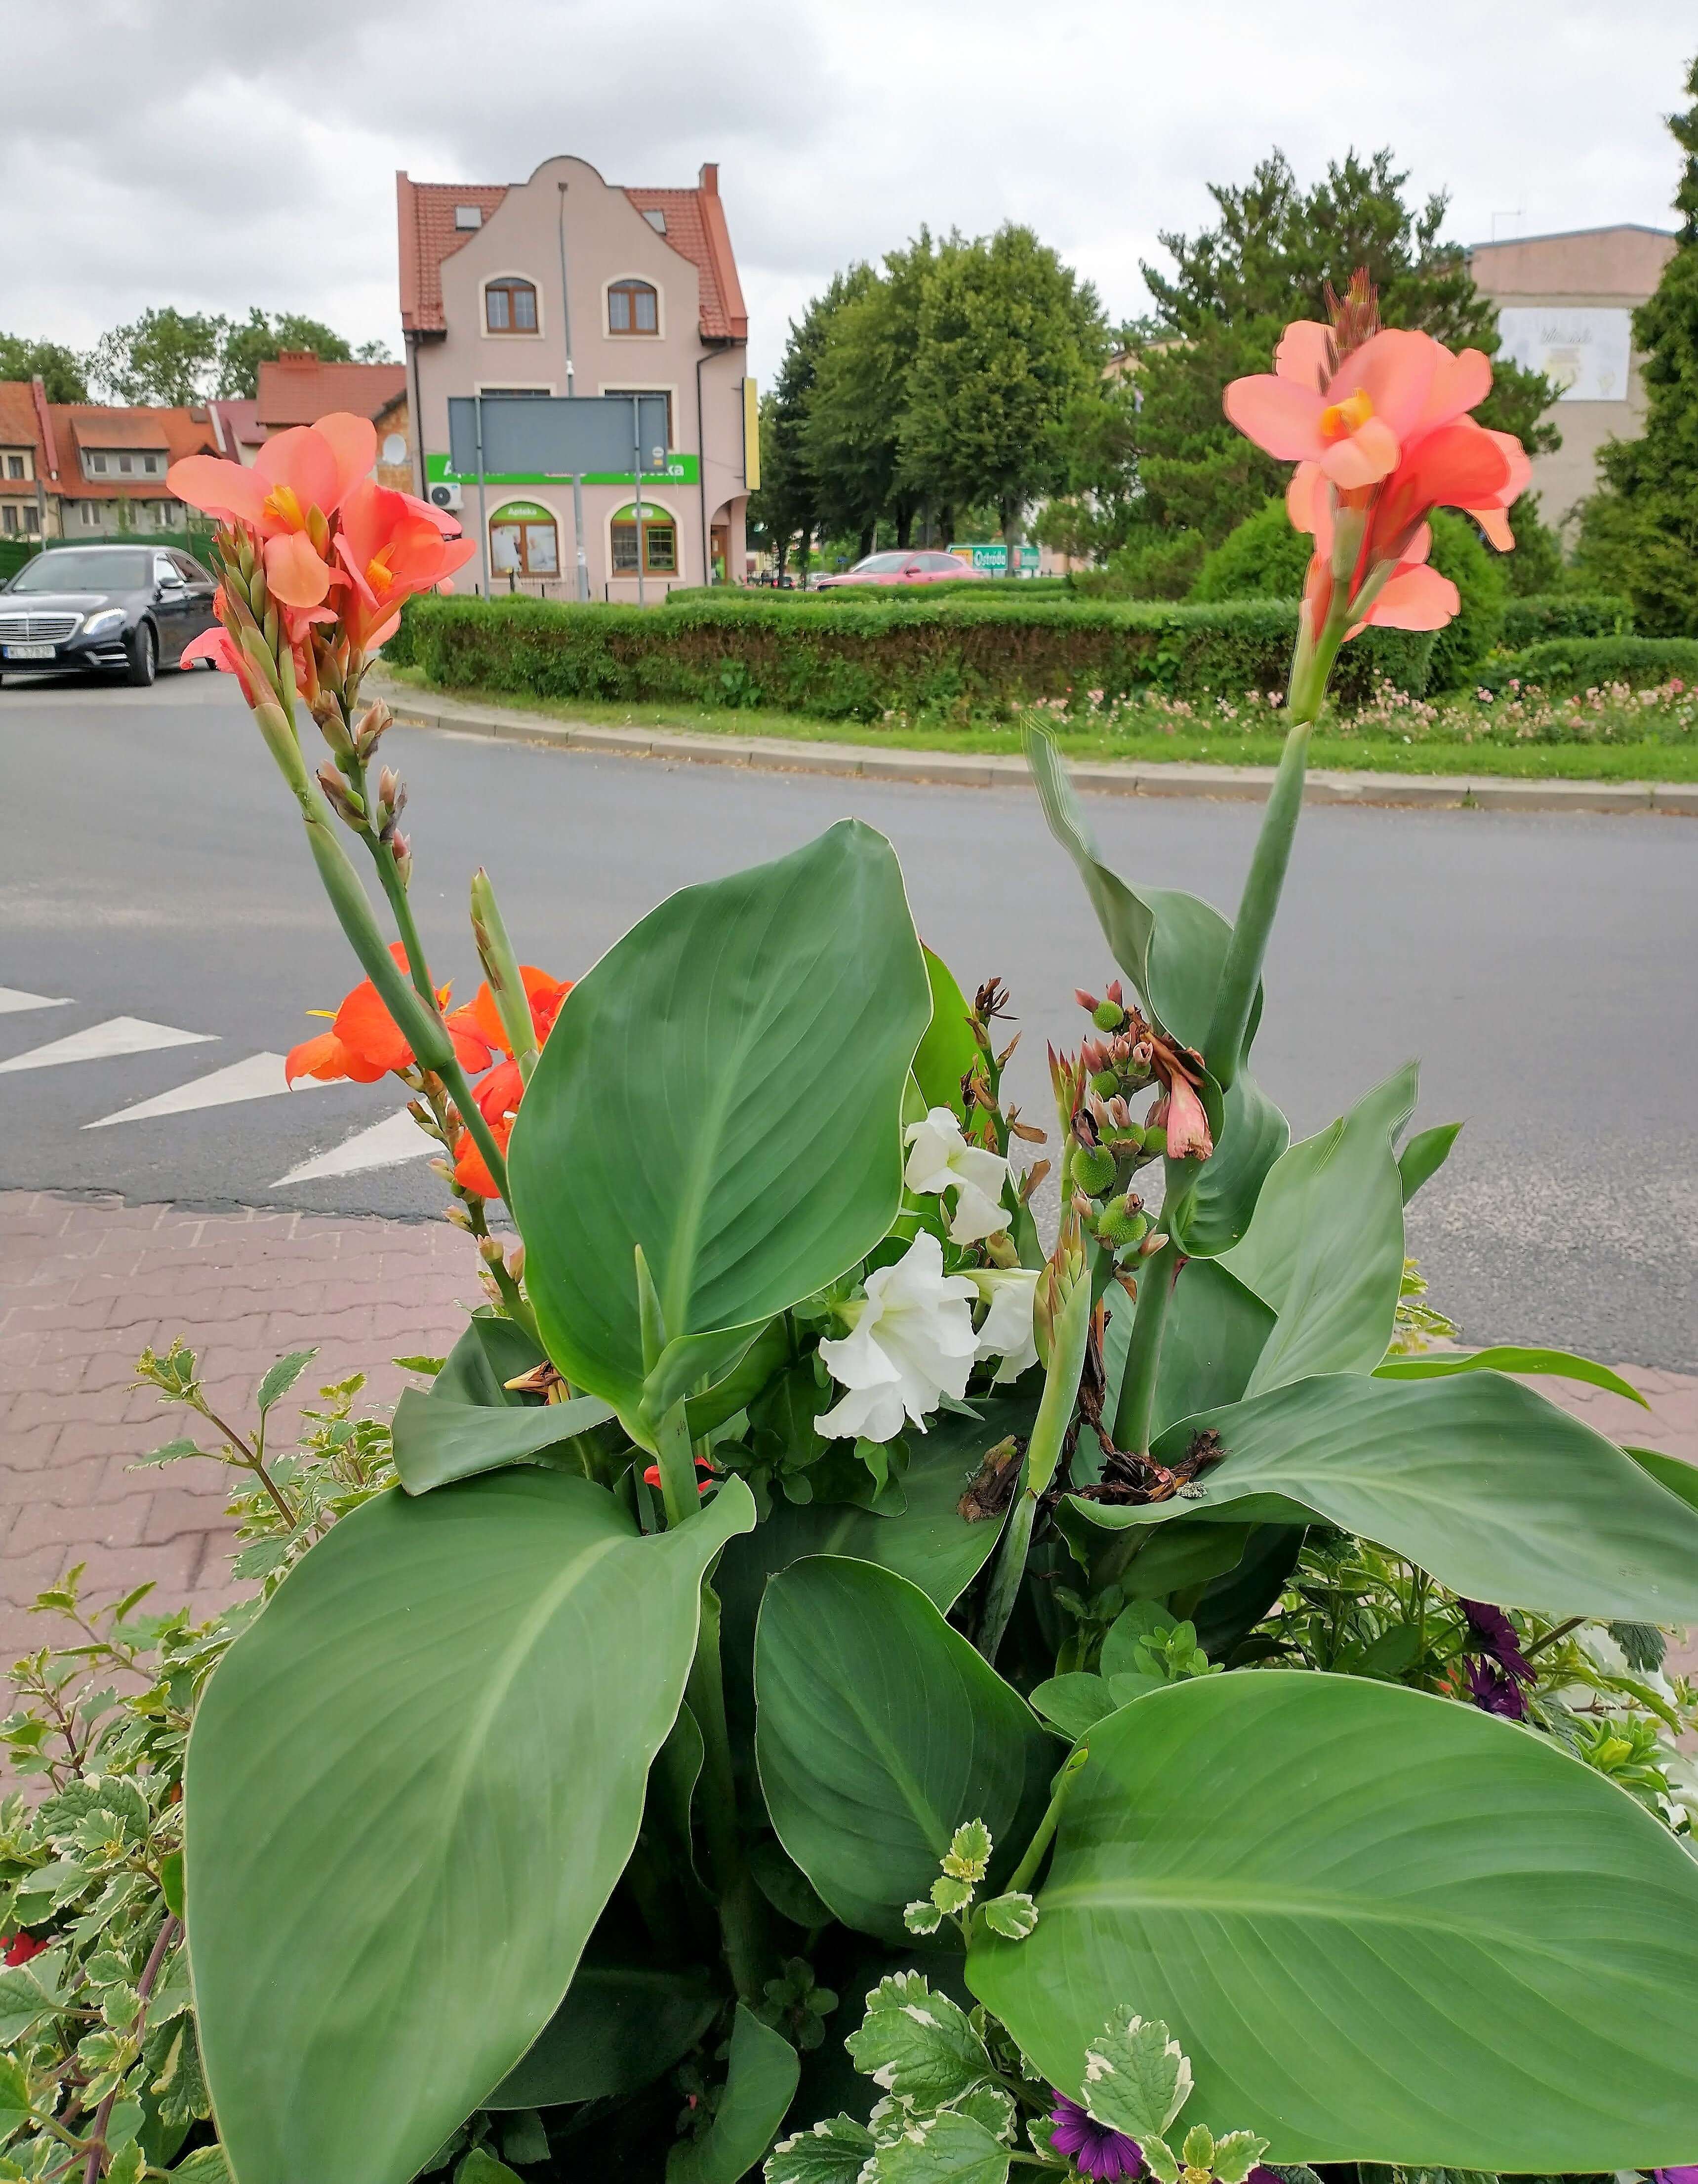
1155,1720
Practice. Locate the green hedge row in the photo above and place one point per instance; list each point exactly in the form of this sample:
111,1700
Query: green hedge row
1565,665
847,661
1542,616
979,588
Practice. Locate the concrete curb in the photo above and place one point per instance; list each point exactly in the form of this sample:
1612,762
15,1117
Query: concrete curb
1235,784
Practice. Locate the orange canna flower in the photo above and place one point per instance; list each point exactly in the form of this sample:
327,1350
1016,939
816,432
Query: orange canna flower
499,1095
392,548
1380,432
364,1043
471,1169
299,475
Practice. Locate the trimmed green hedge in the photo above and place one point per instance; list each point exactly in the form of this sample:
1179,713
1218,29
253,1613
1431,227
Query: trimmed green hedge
1543,615
1589,663
848,660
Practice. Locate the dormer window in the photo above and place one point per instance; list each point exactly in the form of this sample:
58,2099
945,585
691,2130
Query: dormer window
468,217
632,308
510,307
656,220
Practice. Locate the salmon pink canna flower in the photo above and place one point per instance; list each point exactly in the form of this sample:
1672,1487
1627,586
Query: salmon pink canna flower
218,646
1352,418
364,1043
392,547
298,475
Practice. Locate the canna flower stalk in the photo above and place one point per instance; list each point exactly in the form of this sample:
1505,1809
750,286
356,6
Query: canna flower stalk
1061,1318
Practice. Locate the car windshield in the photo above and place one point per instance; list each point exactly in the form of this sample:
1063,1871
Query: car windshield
881,565
85,569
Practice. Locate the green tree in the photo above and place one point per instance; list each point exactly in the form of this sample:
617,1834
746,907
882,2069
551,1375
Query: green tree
262,336
166,356
792,504
1009,338
1267,260
853,426
62,371
1639,531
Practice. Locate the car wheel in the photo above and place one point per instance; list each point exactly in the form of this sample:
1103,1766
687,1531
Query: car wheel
144,658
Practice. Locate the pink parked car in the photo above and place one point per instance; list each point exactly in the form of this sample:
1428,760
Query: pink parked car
912,567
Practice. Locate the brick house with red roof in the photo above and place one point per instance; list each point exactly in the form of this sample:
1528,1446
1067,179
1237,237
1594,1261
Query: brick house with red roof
79,470
566,283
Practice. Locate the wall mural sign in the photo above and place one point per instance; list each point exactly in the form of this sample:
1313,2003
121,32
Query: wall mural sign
1584,348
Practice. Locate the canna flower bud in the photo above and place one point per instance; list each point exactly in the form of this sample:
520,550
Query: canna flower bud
343,801
1088,1002
458,1214
371,727
401,850
1152,1244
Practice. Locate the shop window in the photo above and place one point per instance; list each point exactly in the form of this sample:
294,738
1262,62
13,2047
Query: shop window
632,308
510,307
524,541
660,543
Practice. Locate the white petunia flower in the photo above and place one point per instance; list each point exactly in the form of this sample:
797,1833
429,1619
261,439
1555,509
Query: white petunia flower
1007,1332
913,1343
941,1159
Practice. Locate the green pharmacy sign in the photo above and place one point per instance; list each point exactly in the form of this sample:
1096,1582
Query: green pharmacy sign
681,468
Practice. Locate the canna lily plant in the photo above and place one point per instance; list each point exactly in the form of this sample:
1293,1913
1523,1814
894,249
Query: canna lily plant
806,1578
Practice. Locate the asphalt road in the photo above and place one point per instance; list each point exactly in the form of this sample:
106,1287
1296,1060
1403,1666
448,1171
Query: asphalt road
1541,966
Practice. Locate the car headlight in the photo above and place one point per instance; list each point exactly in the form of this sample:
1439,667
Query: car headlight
104,624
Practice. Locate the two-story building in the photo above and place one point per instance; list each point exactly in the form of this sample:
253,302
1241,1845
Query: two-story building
79,470
1564,308
565,284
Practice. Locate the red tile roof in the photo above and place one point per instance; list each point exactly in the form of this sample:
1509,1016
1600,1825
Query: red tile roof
236,425
298,389
696,228
70,424
18,416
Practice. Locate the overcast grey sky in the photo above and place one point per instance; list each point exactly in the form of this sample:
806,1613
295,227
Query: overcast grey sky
214,154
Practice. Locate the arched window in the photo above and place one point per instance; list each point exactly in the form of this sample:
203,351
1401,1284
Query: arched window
510,307
632,308
524,541
660,541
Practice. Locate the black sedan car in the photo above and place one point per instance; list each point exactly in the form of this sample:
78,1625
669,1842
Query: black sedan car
124,608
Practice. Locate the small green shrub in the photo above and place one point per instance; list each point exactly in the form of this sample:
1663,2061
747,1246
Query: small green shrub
1593,663
1545,615
849,660
1265,558
1162,565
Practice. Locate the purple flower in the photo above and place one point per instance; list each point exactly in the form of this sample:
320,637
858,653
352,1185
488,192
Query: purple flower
1493,1693
1495,1636
1676,2175
1093,2149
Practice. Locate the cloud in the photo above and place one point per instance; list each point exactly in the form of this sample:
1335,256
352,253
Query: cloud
243,154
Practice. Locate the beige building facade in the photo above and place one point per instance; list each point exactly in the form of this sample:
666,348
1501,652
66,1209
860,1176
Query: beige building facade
569,284
1564,308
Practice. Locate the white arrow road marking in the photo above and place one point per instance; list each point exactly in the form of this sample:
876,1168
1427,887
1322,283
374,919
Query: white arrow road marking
102,1042
385,1144
260,1078
14,1003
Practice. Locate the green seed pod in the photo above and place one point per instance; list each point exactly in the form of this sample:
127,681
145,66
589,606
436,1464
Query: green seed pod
1108,1015
1093,1168
1106,1084
1155,1139
1121,1224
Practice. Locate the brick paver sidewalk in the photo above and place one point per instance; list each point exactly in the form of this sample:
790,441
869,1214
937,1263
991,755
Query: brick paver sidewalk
86,1283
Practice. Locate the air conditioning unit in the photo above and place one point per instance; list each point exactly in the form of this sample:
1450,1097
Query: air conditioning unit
447,494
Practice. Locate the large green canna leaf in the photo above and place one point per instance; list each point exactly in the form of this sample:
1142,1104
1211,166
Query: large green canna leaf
722,1089
489,1353
1563,1364
949,1049
1498,1494
1383,1927
437,1440
760,2085
412,1786
1326,1247
620,2026
878,1732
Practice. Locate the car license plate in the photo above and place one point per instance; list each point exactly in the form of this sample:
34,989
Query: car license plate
27,651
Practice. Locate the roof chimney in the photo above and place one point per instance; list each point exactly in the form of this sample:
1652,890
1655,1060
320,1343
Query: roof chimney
298,357
709,181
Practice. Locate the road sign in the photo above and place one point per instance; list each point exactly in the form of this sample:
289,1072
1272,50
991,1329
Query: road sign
993,558
557,436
